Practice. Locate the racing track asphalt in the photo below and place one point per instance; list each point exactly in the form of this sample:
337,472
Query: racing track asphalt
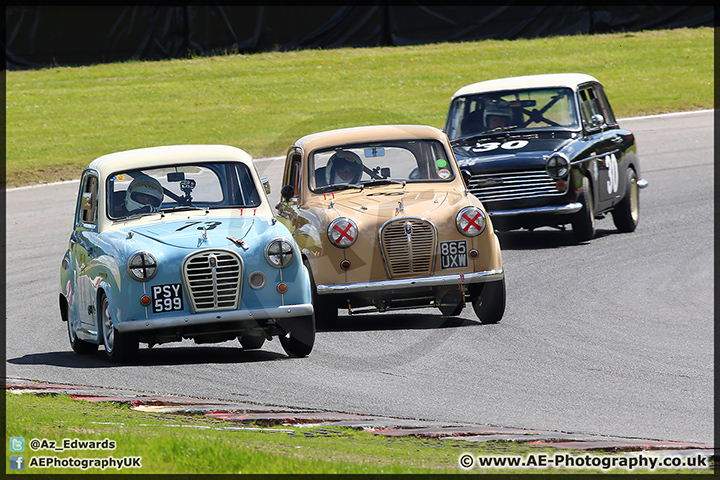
609,339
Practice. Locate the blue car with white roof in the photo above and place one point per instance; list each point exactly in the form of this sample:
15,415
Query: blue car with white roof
180,242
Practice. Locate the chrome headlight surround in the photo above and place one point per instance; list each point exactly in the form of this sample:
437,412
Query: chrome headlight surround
557,166
279,252
342,232
142,266
471,221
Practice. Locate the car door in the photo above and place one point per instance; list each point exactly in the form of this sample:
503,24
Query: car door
83,249
607,145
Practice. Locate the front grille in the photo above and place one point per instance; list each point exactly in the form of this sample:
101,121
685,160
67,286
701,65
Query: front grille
407,254
490,187
213,280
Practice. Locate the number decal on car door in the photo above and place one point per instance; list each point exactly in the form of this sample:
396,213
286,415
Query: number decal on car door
613,174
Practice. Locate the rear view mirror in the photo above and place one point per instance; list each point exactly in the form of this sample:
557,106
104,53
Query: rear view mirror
374,152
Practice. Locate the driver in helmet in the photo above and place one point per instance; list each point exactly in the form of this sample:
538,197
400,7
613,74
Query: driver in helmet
343,167
144,193
497,115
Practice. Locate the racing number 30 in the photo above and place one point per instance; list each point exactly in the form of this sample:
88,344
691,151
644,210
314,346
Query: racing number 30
613,174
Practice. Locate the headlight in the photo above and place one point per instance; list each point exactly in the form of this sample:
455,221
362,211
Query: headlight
142,266
342,232
471,221
557,166
279,253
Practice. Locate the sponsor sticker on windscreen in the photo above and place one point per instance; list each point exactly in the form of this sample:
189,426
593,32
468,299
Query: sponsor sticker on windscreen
167,298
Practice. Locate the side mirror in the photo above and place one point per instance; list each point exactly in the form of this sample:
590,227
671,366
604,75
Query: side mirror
598,121
287,192
466,175
266,185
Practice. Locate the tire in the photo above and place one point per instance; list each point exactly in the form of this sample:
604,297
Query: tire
326,313
488,301
454,303
626,214
119,347
251,342
583,224
299,340
452,311
81,347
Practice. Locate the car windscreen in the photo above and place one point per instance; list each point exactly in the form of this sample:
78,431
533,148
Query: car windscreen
182,187
532,109
379,163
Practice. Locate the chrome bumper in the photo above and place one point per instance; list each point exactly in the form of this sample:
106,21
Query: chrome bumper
286,311
549,210
440,280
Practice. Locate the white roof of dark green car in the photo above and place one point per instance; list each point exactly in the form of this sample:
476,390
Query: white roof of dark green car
569,80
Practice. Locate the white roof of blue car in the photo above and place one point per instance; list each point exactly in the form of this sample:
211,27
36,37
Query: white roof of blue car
569,80
167,155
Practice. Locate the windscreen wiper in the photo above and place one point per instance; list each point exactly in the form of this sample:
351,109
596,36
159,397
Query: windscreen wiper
383,181
339,186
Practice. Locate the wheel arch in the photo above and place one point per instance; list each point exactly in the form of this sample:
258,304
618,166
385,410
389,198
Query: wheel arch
105,291
64,308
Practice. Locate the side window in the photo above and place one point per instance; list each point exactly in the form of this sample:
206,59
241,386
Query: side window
605,104
589,106
295,173
292,173
88,213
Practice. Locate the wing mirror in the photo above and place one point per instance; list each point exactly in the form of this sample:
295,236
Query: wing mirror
287,192
598,121
266,185
466,175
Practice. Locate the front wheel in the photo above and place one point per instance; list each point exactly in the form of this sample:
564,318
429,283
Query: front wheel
119,347
251,342
326,312
488,300
626,214
300,336
451,304
583,224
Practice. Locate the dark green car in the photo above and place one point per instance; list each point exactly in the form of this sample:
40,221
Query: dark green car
546,150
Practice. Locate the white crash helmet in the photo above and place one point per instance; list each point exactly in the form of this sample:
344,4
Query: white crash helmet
343,156
147,185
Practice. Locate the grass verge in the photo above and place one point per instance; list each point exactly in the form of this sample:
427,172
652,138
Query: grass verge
186,444
58,119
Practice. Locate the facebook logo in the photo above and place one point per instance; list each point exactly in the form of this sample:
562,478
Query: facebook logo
17,462
17,444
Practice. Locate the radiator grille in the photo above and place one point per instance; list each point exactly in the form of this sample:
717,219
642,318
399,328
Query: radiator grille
213,279
490,187
409,250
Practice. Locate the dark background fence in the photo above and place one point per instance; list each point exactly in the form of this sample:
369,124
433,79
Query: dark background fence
46,36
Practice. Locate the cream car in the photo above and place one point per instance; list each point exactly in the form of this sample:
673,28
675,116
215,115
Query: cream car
384,221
